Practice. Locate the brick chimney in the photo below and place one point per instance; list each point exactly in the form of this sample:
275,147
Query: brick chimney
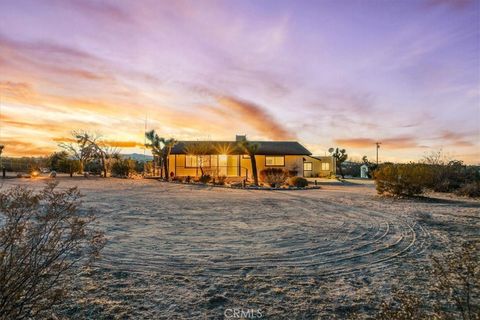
239,137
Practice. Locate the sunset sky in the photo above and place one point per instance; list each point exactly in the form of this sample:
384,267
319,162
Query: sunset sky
325,73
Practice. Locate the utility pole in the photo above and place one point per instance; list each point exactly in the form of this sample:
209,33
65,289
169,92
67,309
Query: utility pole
378,147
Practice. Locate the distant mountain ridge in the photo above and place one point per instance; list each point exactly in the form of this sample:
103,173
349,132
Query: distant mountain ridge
137,156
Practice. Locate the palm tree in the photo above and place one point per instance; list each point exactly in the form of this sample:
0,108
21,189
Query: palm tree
251,149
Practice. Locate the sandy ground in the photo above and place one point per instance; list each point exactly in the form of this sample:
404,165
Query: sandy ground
190,252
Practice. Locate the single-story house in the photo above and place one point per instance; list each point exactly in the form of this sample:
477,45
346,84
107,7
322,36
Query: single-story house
226,158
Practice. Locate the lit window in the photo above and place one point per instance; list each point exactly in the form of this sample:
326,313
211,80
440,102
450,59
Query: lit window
245,156
193,161
307,166
325,166
277,161
204,161
190,161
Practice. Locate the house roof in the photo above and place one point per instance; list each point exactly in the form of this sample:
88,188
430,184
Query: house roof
231,147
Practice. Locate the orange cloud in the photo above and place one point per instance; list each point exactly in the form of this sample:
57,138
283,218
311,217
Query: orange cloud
389,143
17,91
255,116
16,148
110,143
457,139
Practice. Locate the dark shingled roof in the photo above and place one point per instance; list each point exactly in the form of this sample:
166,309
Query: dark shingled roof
230,147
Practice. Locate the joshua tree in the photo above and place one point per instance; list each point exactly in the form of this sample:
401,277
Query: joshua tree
161,149
251,149
1,150
155,144
168,144
340,156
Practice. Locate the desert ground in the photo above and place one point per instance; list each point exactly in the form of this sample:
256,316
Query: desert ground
177,251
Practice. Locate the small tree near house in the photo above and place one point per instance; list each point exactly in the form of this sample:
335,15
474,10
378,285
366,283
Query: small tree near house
251,149
201,150
340,156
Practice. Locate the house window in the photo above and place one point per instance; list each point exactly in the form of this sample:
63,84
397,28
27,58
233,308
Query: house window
190,161
307,166
325,166
245,156
194,161
274,161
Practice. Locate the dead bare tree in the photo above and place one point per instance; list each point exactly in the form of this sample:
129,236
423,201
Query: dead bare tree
90,145
79,148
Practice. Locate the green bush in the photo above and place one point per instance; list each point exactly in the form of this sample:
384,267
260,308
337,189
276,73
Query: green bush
298,182
403,179
275,177
123,168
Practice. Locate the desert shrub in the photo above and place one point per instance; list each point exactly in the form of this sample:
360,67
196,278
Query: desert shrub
205,178
139,166
93,167
69,166
24,164
448,177
298,182
44,241
402,179
123,168
471,189
292,173
453,291
221,180
274,177
55,160
178,179
351,168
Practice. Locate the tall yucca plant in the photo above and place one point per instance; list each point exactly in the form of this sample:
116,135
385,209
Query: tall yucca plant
168,144
251,149
155,144
161,148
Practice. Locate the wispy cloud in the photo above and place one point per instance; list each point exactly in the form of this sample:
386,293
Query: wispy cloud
251,114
